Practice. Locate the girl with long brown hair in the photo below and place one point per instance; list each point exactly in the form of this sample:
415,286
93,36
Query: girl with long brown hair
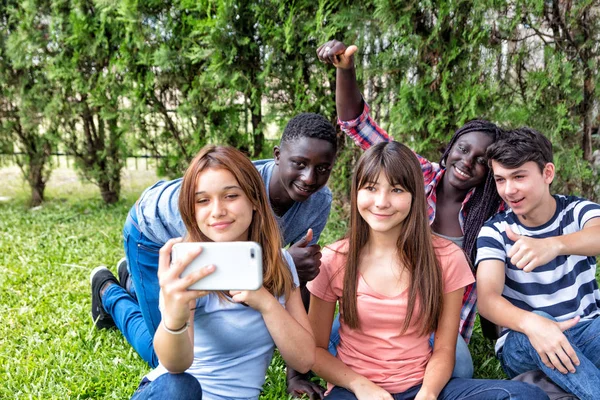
397,284
219,345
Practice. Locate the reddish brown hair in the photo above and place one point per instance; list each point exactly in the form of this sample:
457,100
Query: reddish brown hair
277,278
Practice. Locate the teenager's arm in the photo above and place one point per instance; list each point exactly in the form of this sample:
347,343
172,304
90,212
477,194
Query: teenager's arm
545,335
529,253
440,366
353,113
348,100
176,350
289,327
328,367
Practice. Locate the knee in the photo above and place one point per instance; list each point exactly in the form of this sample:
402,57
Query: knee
517,340
527,391
180,386
463,366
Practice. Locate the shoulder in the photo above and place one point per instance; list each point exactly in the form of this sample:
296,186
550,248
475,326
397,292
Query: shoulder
339,247
161,187
456,269
447,250
323,194
263,163
570,202
334,255
573,208
320,200
264,167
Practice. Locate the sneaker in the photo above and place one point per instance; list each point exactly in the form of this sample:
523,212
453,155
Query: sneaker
99,277
124,276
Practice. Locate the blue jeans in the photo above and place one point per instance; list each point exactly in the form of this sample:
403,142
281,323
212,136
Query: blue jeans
169,386
137,317
518,356
463,364
463,389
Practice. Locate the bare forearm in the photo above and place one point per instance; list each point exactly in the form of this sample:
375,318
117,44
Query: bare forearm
175,352
334,371
295,343
502,312
585,242
438,371
348,100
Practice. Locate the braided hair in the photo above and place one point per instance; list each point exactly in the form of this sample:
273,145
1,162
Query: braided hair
485,199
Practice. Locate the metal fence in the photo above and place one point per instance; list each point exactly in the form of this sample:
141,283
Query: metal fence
67,160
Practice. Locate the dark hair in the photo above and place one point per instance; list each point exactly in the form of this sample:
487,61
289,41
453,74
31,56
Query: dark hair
414,245
519,146
484,201
263,229
309,125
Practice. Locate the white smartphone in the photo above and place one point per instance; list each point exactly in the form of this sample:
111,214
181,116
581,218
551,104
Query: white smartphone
238,265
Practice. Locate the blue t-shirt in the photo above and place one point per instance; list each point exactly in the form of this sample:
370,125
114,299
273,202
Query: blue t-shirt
232,347
159,218
566,286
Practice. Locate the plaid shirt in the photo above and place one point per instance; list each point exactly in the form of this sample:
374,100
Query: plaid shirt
365,132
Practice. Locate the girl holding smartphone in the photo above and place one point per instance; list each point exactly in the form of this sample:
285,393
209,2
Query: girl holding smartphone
397,284
218,345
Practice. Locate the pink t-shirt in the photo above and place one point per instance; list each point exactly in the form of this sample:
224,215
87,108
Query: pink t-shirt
393,361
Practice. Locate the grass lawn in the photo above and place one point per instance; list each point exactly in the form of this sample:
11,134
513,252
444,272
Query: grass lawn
49,346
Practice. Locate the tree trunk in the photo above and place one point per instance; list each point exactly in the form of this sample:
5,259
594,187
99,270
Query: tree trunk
37,184
257,130
37,159
109,191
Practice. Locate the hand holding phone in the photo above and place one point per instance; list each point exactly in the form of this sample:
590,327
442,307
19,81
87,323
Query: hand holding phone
175,299
238,265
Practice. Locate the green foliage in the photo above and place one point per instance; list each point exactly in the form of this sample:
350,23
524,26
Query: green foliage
102,79
24,95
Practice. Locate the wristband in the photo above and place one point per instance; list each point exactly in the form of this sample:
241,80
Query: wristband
178,331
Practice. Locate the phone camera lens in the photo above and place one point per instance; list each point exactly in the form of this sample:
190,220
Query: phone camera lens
251,253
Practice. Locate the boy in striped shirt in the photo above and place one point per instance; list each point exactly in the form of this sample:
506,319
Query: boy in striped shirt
536,269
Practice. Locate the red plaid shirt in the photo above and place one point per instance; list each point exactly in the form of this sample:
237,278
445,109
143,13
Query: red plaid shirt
365,132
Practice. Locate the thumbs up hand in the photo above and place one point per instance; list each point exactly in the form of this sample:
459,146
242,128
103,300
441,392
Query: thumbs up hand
336,53
306,257
529,253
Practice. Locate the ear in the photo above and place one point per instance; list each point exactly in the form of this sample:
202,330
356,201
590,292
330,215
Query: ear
276,154
548,173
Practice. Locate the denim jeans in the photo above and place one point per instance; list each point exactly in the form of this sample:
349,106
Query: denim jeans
518,356
169,386
137,317
463,364
463,389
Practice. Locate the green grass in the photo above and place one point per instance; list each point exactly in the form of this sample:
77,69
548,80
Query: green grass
48,345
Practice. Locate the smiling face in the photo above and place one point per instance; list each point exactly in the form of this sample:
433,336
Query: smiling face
525,189
466,163
383,206
223,211
303,166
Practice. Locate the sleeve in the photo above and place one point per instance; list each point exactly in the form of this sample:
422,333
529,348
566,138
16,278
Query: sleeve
292,266
427,167
490,244
456,270
323,285
364,130
585,211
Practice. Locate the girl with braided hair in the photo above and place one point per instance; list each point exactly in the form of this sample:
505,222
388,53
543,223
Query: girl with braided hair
461,192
